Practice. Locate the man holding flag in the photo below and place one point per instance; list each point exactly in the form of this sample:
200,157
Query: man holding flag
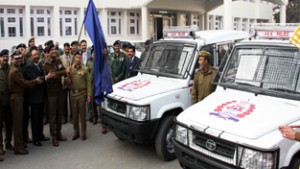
102,80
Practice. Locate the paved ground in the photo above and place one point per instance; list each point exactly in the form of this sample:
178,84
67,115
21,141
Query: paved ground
97,152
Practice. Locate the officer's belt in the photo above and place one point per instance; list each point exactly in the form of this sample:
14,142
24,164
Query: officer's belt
74,91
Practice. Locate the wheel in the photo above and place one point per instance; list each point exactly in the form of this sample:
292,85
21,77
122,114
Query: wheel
295,163
164,140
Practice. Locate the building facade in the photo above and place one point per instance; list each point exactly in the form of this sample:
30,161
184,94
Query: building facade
135,20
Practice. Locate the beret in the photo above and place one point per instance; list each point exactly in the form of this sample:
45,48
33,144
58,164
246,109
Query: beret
4,52
117,42
48,42
21,45
49,47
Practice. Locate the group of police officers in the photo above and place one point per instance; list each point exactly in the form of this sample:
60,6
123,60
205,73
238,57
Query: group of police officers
40,83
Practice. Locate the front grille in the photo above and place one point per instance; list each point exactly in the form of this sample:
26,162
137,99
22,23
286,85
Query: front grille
213,146
117,106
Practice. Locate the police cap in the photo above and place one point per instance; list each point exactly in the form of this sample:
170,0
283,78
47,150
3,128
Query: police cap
21,45
4,52
16,54
78,52
204,53
117,42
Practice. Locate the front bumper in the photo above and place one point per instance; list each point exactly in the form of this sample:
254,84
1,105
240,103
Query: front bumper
130,130
190,159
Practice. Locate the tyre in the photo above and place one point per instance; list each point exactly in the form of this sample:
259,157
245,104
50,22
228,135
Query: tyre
164,140
295,163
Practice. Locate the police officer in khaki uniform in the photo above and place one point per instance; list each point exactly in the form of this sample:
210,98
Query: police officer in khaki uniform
16,86
203,86
5,114
80,94
55,94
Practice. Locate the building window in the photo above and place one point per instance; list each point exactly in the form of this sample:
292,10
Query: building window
11,22
68,22
195,19
245,25
218,23
40,21
236,23
133,23
211,22
114,22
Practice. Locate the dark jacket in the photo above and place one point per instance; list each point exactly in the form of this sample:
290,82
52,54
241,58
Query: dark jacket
131,65
36,94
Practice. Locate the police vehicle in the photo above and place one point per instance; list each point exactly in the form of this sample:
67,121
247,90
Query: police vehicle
237,125
141,109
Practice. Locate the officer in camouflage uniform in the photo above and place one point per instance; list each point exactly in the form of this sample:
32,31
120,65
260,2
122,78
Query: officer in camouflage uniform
117,63
80,94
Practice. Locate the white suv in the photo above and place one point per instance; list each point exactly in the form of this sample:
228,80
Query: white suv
142,108
237,125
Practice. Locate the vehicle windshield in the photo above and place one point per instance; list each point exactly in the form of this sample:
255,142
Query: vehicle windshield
267,70
169,60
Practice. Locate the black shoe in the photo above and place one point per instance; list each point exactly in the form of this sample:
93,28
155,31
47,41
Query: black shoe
21,152
37,143
45,138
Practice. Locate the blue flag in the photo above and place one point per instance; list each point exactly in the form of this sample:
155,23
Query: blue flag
102,79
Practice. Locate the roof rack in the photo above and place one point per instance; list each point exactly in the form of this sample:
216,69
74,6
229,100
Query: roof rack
273,30
180,31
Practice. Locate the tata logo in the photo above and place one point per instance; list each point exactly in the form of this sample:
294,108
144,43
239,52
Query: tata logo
211,145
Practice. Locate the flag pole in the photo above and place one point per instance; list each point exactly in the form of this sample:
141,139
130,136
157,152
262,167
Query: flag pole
79,36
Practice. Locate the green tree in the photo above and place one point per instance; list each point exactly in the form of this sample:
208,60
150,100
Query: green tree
292,12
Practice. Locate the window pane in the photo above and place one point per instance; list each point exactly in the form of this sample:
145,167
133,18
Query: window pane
20,11
113,13
32,26
131,14
41,31
75,25
1,10
113,21
49,26
132,21
40,19
60,12
132,30
68,20
119,26
11,19
21,26
137,27
68,30
75,12
48,11
12,31
40,11
113,30
11,11
2,31
31,11
60,27
68,12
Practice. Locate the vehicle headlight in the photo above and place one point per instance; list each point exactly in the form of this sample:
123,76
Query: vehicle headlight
253,159
139,113
181,134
